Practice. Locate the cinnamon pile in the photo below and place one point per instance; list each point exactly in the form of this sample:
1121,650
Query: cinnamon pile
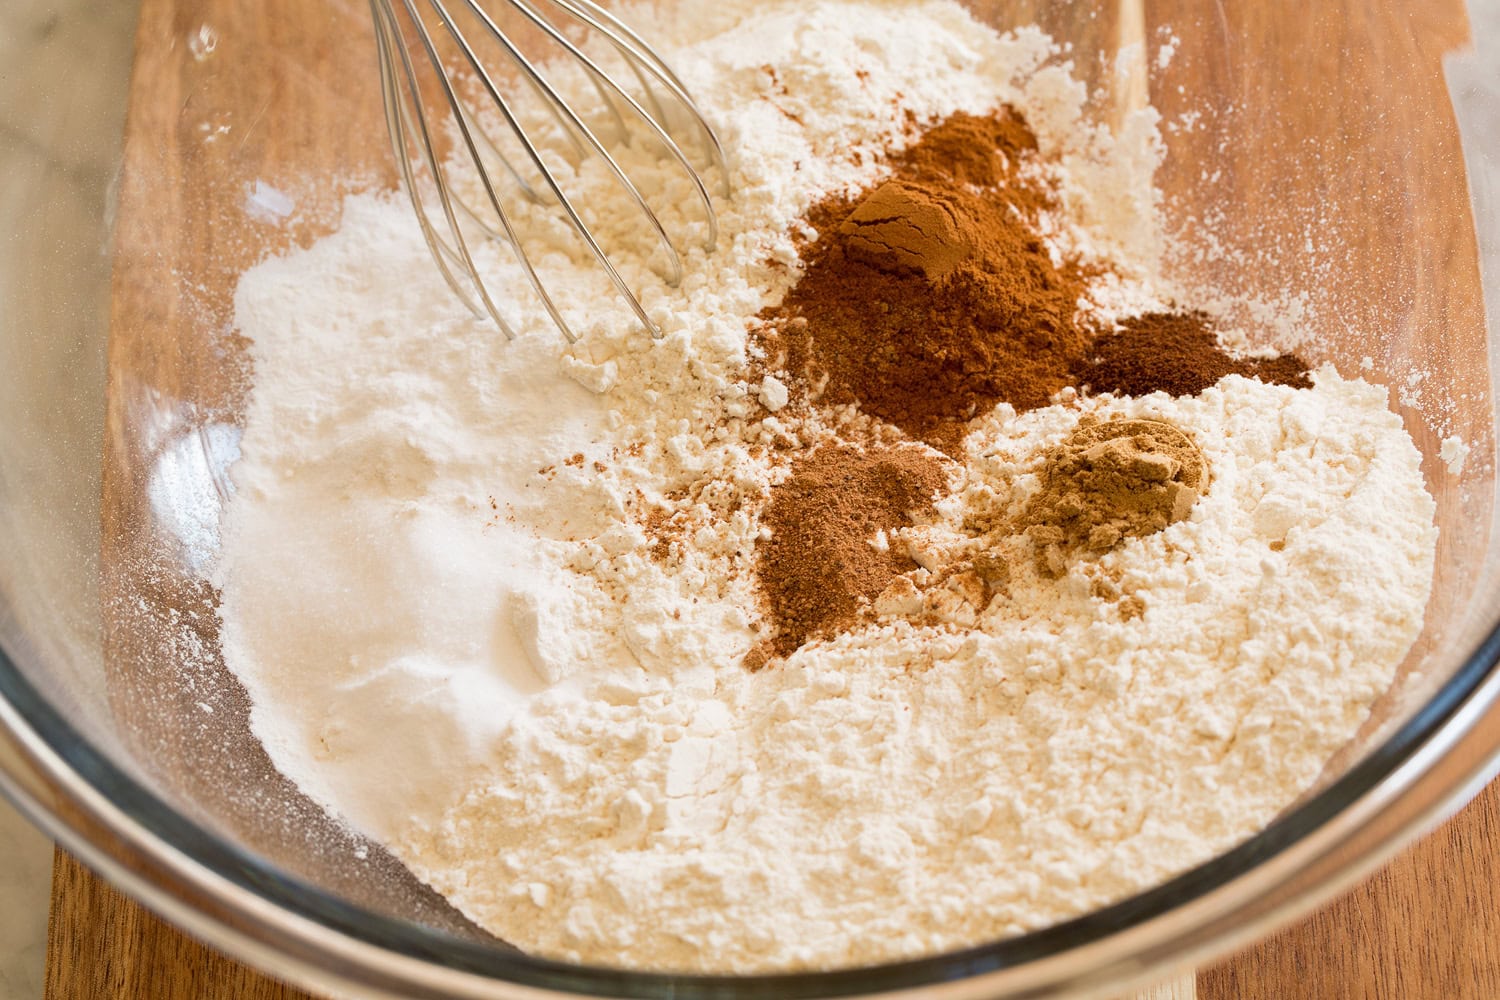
931,298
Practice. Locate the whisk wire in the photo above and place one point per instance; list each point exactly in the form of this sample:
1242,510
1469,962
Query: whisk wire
566,112
459,253
451,96
530,193
637,53
402,132
417,152
618,32
641,78
654,124
550,178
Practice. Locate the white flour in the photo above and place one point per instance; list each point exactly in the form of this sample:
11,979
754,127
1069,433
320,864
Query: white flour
899,790
437,589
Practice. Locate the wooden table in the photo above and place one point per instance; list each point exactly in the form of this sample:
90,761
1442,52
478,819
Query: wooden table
221,99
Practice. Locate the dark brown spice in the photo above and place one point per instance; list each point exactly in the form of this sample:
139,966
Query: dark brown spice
664,529
819,565
979,151
1176,353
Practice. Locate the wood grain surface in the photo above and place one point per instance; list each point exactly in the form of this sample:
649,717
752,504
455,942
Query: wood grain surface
1427,927
101,945
230,94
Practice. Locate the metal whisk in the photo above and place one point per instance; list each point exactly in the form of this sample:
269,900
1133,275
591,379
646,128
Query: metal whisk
431,71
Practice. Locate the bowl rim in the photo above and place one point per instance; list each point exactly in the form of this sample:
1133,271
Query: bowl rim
279,921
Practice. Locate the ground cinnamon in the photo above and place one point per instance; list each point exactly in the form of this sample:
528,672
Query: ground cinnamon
931,298
822,560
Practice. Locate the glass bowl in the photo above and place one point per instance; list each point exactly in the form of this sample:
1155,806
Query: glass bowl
1348,154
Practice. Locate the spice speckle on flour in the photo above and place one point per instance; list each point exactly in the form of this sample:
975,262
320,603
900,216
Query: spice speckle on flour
938,575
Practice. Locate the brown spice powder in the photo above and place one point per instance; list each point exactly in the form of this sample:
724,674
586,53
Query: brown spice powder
820,563
1176,353
929,300
973,150
926,301
1110,481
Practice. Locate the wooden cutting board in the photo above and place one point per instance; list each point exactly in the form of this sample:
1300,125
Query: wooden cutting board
233,93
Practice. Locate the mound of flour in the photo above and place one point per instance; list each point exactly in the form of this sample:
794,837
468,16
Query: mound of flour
901,790
437,588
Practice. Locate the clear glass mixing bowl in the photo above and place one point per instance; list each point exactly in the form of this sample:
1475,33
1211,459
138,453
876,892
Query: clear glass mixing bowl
1329,146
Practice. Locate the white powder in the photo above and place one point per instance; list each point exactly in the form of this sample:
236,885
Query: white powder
437,589
901,790
1454,452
